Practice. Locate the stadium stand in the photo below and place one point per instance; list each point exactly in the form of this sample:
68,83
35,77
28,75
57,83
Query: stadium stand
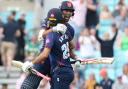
10,79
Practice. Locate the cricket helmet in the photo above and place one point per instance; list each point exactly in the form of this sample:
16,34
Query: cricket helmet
67,5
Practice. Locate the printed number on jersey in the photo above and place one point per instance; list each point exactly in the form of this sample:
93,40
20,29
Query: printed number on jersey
65,49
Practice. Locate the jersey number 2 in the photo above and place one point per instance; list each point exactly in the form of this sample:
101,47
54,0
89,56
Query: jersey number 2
65,49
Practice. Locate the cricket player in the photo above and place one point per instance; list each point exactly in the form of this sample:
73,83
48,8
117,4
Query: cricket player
57,48
68,11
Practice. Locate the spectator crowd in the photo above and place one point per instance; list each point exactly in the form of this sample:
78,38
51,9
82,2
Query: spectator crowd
99,32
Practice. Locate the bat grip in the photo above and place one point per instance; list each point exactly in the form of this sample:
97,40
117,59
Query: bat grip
73,62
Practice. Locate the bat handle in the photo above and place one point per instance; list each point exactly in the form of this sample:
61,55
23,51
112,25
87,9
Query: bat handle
39,74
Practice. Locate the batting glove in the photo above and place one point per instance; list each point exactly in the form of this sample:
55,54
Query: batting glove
40,35
26,66
78,62
59,28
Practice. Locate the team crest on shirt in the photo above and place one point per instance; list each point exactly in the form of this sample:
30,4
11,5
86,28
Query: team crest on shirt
47,41
52,15
69,4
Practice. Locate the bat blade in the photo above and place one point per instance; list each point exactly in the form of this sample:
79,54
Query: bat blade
17,64
102,60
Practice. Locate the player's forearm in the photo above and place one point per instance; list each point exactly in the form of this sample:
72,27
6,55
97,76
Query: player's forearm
72,55
42,56
71,47
40,59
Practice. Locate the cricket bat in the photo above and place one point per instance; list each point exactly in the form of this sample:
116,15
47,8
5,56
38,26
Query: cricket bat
19,64
102,60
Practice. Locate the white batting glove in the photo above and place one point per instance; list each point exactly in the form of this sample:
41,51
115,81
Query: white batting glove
78,61
59,28
40,35
26,66
77,64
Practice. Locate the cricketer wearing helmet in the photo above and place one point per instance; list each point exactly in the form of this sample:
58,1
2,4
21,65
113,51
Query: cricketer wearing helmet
68,11
52,23
57,48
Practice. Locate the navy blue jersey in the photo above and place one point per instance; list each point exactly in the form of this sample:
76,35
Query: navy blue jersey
59,45
71,30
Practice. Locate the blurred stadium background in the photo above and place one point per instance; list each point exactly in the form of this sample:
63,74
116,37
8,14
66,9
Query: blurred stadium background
107,13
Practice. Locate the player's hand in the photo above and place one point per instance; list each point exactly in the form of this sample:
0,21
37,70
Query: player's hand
26,66
59,28
40,35
78,63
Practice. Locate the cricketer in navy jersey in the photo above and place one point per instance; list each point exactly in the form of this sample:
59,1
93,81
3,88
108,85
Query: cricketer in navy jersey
60,59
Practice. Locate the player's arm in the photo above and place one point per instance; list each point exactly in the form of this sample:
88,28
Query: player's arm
72,54
39,59
58,28
44,30
71,44
43,33
42,56
71,47
48,46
